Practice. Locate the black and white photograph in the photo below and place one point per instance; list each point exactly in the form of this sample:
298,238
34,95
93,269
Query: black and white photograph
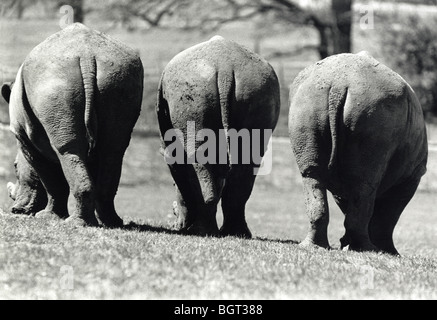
218,155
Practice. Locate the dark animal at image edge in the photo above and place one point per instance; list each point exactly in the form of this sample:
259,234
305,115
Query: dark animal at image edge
73,106
217,84
357,130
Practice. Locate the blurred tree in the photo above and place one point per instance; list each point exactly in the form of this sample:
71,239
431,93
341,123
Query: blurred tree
13,8
331,18
412,50
129,12
17,8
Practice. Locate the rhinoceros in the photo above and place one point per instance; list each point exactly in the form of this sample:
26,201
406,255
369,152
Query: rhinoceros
220,86
357,130
73,106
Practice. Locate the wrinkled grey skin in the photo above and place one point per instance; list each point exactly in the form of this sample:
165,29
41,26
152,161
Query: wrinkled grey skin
28,194
357,130
72,108
217,84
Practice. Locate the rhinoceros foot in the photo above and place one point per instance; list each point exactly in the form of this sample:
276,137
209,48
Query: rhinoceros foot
21,210
200,230
112,222
197,229
308,242
357,243
80,222
363,247
47,214
240,231
203,225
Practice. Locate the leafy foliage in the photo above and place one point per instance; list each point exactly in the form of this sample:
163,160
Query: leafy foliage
413,51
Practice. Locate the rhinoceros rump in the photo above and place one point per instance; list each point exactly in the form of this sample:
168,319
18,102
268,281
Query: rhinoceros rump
216,85
72,108
357,130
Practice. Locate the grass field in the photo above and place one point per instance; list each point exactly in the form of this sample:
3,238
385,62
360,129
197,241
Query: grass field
45,260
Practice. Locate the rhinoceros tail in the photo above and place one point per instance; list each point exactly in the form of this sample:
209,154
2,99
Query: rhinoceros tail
226,90
89,70
336,101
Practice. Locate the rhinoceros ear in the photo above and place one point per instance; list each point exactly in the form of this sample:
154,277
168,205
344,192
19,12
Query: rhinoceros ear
6,91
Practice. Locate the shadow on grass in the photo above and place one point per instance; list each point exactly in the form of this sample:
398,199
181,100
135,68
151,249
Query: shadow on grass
144,227
283,241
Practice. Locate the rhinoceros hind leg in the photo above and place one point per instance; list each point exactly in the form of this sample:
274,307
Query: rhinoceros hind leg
195,219
357,220
386,214
196,206
108,172
236,192
56,186
317,211
105,201
205,223
81,186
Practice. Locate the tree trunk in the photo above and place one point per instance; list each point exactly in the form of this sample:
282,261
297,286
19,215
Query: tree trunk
20,9
342,26
335,37
323,41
